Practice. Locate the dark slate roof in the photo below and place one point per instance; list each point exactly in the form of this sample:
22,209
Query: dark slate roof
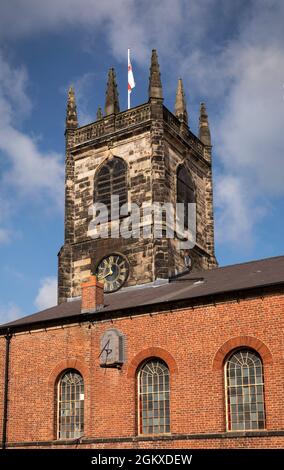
190,286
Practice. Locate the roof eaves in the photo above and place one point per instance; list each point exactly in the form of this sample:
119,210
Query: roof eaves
138,309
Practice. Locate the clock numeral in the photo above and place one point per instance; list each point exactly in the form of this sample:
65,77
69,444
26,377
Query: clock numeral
107,265
111,285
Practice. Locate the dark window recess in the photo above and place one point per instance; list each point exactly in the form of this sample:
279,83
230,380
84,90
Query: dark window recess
185,190
111,180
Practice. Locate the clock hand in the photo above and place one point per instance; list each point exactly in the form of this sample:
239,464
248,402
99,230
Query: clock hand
105,275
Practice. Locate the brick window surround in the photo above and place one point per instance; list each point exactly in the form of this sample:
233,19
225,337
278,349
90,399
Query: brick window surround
71,363
160,353
238,342
54,376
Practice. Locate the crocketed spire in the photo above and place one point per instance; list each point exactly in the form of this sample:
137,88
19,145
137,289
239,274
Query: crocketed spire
99,113
180,105
155,84
112,102
71,113
204,130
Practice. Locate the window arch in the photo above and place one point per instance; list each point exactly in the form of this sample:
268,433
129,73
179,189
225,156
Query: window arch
111,179
185,190
70,405
244,391
154,397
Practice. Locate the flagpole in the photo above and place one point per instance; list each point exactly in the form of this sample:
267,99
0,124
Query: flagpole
128,91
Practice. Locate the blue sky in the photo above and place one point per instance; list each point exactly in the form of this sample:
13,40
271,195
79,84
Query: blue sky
229,54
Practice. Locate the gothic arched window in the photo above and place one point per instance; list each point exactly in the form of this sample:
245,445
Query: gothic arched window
244,391
70,405
110,180
185,190
154,397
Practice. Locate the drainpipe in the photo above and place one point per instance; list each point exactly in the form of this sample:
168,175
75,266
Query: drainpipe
8,337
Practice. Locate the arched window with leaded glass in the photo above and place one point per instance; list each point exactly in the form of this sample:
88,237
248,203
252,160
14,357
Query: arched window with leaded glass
154,397
244,391
70,407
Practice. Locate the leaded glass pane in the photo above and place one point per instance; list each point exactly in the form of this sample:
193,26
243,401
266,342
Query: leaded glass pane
154,398
244,379
70,405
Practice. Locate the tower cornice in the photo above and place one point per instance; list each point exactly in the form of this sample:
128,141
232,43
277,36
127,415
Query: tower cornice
132,120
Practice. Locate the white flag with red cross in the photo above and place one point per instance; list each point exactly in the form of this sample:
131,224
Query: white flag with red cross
131,82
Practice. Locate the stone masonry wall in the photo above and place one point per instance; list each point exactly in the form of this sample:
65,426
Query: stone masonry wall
152,152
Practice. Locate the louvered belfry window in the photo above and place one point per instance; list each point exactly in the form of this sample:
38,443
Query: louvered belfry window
111,179
185,190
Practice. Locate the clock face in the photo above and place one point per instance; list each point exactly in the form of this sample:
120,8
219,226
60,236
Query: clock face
113,271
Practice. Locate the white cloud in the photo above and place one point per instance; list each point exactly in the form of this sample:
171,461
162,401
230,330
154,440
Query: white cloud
31,172
26,172
9,313
251,139
124,23
243,80
14,101
47,293
236,215
84,86
229,53
5,235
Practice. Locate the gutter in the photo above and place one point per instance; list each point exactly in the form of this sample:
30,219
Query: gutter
169,304
8,337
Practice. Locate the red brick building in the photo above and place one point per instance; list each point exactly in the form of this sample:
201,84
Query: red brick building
171,355
192,326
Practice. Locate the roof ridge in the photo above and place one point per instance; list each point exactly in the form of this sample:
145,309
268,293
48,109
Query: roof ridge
245,262
228,278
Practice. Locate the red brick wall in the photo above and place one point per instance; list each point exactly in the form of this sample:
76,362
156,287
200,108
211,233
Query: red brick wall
192,342
92,294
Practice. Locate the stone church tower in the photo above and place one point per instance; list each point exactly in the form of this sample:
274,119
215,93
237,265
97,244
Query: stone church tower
145,155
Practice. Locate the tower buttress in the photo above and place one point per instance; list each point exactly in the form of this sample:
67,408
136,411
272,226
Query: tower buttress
70,129
65,254
159,163
205,137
